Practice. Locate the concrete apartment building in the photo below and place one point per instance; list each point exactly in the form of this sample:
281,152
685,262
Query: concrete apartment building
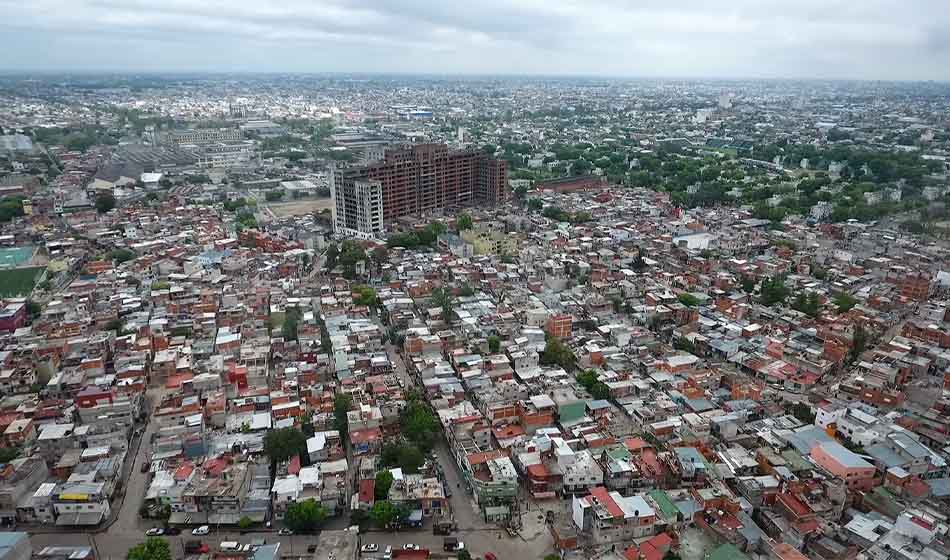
203,136
413,181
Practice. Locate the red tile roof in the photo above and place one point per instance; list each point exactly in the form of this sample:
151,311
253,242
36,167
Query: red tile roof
600,493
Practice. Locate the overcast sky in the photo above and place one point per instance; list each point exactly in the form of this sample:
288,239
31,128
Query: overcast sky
863,39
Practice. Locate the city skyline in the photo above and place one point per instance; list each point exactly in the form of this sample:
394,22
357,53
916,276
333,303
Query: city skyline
750,40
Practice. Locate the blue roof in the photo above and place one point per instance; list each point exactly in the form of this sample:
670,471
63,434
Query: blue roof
844,456
939,487
803,440
885,455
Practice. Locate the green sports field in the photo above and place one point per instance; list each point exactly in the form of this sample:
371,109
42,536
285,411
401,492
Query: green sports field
19,281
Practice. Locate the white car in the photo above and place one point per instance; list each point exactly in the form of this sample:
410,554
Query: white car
203,530
411,546
155,532
389,553
370,548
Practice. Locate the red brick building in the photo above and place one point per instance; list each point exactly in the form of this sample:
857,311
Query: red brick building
420,179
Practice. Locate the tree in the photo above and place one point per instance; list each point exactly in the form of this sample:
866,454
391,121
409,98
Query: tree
152,549
274,195
463,221
342,404
535,204
557,353
808,303
385,512
244,523
689,300
802,412
291,320
748,284
411,459
8,454
366,296
859,340
418,424
494,344
305,517
845,301
442,298
463,555
773,291
600,391
384,481
121,255
332,254
280,445
105,202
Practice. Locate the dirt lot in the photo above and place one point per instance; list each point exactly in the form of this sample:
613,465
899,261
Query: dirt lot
299,207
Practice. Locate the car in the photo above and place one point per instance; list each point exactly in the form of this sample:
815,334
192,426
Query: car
311,549
373,547
490,556
173,531
410,546
203,530
389,553
285,532
145,467
155,532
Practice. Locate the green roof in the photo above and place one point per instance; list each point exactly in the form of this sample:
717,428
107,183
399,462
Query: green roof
727,552
795,461
663,501
618,451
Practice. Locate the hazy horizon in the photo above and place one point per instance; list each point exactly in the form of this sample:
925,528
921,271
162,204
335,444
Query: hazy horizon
875,40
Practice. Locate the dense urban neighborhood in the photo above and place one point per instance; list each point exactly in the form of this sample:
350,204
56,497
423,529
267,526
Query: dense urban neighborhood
331,317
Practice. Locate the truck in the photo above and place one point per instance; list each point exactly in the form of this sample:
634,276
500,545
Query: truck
443,528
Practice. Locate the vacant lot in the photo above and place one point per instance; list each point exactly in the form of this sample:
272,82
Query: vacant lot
19,281
299,207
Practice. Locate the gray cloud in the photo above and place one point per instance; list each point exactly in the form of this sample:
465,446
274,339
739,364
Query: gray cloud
870,39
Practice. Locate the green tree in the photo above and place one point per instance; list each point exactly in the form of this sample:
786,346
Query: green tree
494,344
274,195
600,391
463,221
384,481
463,555
844,301
8,453
305,517
808,303
291,321
280,445
748,284
689,300
385,512
105,202
365,296
418,424
557,353
535,204
121,255
411,459
859,341
773,291
152,549
245,523
342,404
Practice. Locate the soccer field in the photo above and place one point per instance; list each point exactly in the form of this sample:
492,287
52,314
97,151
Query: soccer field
19,281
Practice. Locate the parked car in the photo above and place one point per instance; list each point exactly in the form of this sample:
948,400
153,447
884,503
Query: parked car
311,549
145,466
490,556
203,530
196,547
410,546
373,547
285,532
389,553
155,532
173,531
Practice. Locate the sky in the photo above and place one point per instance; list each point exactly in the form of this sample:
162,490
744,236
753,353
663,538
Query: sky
826,39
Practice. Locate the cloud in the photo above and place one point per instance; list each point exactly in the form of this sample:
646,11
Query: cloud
870,39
